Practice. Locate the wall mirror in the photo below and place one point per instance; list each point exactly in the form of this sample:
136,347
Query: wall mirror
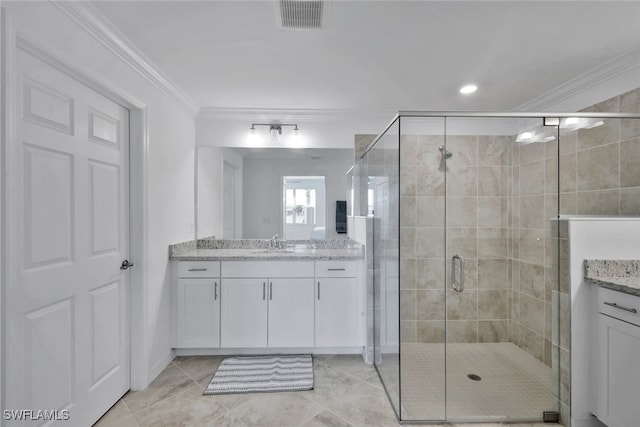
241,193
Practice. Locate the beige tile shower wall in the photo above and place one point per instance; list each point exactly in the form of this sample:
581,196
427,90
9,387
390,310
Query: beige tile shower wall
477,228
534,199
606,161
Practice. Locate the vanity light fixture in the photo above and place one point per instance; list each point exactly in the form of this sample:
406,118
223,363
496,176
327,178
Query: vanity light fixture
275,129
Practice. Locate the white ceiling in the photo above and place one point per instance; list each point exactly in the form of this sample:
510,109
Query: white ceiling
377,55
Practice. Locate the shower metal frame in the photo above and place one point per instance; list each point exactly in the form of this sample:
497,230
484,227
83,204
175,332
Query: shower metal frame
470,114
496,115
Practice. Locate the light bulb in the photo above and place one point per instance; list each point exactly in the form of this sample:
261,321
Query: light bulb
468,89
253,136
275,134
525,136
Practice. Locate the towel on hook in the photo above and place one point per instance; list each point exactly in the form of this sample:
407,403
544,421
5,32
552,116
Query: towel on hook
341,216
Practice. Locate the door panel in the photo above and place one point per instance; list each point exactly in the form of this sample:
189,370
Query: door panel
105,308
243,313
105,205
198,313
336,312
290,313
48,193
68,306
49,356
47,107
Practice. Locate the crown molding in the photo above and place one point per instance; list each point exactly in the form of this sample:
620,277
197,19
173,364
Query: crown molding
310,114
98,26
623,63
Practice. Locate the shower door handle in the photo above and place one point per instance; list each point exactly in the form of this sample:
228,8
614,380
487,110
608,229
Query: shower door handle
457,259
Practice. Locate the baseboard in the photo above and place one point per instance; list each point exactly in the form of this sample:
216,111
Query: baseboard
292,350
161,365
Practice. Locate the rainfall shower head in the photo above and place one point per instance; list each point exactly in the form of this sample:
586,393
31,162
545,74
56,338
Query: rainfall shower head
445,154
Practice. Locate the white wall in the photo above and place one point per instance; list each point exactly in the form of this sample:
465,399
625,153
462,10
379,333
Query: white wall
171,142
263,190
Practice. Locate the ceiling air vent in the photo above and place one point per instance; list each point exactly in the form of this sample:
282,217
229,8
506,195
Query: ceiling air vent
302,14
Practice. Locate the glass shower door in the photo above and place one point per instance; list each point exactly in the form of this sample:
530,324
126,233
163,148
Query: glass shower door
422,269
501,193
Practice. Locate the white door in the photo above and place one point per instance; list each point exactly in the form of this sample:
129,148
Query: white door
290,313
243,313
229,202
67,305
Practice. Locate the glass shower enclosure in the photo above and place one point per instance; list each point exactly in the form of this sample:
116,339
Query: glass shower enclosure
471,308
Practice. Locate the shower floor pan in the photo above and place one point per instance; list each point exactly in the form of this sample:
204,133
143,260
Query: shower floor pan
513,384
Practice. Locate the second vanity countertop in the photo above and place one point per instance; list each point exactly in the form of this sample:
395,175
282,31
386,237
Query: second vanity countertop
258,250
619,275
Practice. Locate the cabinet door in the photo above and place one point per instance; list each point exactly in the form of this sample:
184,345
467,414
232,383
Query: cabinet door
198,313
336,312
243,313
290,312
620,369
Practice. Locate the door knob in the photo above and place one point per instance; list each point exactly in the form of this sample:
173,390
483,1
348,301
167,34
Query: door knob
125,264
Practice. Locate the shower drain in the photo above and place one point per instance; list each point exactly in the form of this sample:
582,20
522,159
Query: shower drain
474,377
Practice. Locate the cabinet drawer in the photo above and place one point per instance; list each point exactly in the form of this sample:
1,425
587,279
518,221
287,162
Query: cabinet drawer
267,269
619,305
199,269
335,269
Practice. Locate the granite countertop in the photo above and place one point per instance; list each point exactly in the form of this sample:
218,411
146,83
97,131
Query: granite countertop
619,275
260,250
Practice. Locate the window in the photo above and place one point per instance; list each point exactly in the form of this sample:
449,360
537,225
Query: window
300,205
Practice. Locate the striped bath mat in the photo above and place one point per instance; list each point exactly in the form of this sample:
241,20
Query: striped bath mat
248,374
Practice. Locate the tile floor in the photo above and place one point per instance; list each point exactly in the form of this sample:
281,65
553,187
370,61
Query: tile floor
347,393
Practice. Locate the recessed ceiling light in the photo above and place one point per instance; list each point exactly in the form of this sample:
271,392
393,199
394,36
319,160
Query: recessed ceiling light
468,89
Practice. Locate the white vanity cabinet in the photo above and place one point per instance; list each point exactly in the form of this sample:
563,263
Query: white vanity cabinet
267,304
619,358
336,313
198,304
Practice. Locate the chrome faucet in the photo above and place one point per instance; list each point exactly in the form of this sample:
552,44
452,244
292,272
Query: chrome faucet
275,242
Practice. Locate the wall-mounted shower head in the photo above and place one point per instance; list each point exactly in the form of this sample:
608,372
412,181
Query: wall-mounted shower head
445,154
